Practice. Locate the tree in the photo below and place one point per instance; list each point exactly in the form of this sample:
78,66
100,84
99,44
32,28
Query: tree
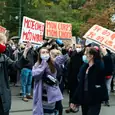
101,13
81,13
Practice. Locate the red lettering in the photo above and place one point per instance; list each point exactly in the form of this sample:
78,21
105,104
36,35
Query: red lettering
42,28
100,38
106,33
65,34
91,34
36,38
38,26
113,36
51,25
24,35
32,37
97,28
26,23
33,25
64,27
51,33
29,23
109,42
70,27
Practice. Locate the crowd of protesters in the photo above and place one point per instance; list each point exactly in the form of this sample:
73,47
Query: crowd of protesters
85,71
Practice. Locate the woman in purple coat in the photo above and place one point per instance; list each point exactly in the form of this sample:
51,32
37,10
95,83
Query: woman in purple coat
45,95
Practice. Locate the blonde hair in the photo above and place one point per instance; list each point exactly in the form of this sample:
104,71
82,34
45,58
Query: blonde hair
54,53
2,37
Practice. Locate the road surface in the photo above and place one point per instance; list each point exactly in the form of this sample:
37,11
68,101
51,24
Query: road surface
25,108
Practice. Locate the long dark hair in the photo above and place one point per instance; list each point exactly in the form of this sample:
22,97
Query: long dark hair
51,65
96,53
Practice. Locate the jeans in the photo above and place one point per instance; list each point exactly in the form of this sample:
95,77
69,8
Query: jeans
108,84
91,110
26,81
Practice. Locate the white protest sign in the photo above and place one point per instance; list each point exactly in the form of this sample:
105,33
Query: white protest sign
102,36
32,31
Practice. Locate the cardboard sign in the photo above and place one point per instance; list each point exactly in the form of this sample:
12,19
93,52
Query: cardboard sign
58,30
2,30
102,36
32,31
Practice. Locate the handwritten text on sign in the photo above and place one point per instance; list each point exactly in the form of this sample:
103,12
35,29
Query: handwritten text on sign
58,30
2,30
101,35
32,30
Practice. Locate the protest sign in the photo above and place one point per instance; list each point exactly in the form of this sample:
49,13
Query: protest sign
2,30
102,36
58,30
32,31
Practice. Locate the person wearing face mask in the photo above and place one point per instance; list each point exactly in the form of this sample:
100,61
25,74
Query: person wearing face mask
5,64
91,91
26,76
46,93
74,67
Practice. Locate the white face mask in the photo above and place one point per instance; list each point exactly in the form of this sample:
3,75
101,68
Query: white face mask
45,57
78,49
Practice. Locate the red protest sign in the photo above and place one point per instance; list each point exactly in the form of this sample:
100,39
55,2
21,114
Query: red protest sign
58,30
32,30
102,36
2,30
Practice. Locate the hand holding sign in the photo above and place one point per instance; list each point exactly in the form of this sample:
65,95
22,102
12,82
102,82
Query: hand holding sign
103,50
27,48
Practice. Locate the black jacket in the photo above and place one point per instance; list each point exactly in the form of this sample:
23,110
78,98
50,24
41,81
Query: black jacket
5,93
113,61
74,67
97,91
108,64
31,57
9,51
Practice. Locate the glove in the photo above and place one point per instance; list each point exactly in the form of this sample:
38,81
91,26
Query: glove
50,80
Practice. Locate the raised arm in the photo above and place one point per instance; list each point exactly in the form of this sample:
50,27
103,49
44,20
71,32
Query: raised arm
15,64
61,59
38,70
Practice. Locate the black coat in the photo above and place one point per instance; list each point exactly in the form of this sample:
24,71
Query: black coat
97,91
5,93
108,64
31,57
9,51
74,67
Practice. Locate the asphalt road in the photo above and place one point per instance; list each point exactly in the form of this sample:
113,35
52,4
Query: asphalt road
25,108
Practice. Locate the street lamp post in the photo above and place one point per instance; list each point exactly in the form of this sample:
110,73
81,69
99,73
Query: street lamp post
20,15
